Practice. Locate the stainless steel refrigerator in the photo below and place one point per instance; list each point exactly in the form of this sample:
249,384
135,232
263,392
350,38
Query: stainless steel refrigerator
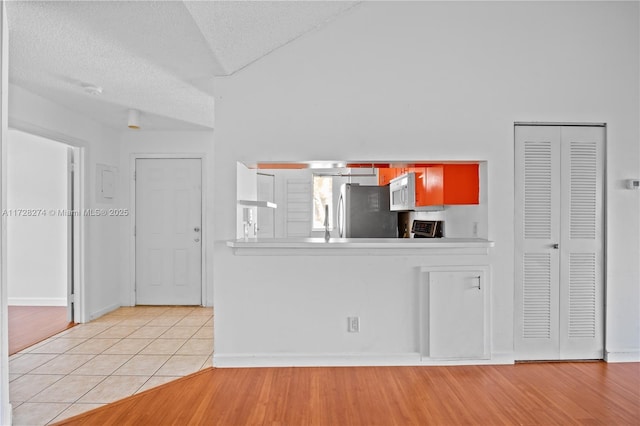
363,212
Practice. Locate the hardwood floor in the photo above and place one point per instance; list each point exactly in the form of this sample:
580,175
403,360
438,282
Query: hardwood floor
29,325
594,393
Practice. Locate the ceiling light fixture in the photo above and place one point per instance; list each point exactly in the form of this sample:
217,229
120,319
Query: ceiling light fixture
92,89
134,119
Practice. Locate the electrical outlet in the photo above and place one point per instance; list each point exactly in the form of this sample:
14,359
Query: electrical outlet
353,324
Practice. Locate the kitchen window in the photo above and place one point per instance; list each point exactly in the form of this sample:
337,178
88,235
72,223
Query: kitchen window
322,195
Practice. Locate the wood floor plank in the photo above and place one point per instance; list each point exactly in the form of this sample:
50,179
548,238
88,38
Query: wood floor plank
29,325
593,393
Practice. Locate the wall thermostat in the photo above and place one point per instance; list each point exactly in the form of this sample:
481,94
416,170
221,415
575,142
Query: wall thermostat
633,183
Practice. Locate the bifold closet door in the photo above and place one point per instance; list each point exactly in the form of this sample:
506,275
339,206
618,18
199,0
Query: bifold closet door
559,240
582,243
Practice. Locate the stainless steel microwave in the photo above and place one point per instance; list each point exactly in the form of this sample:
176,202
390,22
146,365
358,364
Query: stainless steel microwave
402,195
402,192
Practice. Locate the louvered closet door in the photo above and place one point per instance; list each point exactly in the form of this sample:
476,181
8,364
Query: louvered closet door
581,243
559,240
537,266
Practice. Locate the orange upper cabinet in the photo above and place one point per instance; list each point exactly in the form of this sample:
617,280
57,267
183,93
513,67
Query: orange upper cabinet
447,184
439,184
461,184
429,186
385,175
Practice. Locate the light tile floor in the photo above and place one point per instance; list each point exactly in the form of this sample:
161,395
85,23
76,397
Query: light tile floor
122,353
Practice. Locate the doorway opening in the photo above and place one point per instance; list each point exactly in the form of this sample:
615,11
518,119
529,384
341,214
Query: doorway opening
42,215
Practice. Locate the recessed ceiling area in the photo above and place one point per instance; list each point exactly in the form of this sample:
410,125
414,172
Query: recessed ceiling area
159,57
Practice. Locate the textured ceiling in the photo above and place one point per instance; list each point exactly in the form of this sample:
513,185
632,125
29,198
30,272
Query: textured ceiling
160,57
240,32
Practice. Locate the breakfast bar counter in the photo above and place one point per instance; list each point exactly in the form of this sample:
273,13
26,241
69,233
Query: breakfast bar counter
342,246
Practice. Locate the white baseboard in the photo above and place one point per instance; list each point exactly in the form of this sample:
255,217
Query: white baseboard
37,301
500,358
343,360
6,414
313,360
103,311
623,356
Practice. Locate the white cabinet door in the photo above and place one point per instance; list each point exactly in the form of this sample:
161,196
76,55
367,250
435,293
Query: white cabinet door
458,313
299,202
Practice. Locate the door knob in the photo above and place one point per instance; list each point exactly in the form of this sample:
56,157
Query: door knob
197,229
556,246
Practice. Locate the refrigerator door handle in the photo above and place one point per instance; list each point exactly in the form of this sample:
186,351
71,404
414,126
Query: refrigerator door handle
341,218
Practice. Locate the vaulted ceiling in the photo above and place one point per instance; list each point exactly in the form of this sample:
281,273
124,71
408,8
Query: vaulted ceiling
159,57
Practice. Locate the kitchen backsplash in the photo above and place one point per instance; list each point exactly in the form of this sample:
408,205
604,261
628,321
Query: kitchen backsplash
460,221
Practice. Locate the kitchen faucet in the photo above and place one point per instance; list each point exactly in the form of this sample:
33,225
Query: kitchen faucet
327,234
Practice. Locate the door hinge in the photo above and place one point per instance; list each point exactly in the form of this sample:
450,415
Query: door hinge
134,230
134,175
72,167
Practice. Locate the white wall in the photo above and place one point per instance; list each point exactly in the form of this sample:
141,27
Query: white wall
141,143
99,144
36,245
444,81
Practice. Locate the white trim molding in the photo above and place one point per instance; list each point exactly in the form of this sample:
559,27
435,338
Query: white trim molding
37,301
623,355
343,360
103,311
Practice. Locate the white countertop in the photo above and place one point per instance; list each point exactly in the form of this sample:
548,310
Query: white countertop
338,244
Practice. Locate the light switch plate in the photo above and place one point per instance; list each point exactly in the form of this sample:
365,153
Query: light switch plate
106,183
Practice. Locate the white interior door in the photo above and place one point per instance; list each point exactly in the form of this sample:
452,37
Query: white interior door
559,242
168,232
